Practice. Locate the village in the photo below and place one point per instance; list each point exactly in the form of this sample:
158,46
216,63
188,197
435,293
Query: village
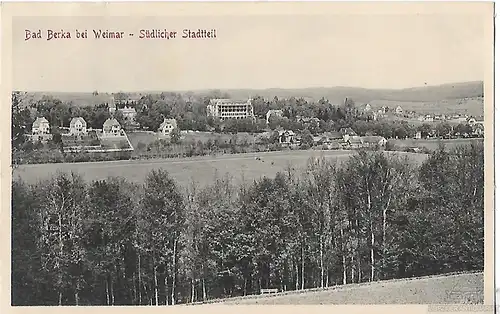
115,135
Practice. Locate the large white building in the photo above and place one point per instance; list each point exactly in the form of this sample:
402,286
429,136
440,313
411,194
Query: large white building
230,109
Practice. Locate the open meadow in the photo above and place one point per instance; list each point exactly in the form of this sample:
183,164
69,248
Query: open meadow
185,170
442,289
433,144
473,106
147,137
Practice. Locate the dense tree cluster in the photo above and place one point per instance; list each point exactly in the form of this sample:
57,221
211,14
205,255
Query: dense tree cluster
377,216
59,114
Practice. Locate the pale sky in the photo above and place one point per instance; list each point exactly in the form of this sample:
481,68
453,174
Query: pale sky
261,51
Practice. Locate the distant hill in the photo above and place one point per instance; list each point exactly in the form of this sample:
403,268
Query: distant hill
338,94
429,96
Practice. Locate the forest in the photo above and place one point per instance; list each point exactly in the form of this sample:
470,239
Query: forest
374,217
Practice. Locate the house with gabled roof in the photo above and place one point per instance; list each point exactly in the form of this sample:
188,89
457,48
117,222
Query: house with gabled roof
167,126
355,141
374,141
286,137
40,130
78,126
112,127
40,126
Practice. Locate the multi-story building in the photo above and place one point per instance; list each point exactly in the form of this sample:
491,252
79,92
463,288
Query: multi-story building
230,109
125,104
129,113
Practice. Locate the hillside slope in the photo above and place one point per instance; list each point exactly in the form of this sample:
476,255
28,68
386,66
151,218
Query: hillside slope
338,94
442,289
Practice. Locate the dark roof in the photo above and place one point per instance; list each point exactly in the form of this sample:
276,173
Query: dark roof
355,140
334,135
228,101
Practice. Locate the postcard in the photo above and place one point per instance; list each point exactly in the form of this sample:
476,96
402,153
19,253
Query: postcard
226,156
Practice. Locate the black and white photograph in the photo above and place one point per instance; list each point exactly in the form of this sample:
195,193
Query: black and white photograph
298,157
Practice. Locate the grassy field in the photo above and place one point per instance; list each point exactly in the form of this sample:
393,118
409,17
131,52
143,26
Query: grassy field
452,289
472,106
185,170
141,137
433,144
149,137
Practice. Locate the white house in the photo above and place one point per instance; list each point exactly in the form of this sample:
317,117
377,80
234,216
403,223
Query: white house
78,126
112,127
129,113
471,121
167,126
286,137
40,130
40,126
478,128
429,118
112,107
399,110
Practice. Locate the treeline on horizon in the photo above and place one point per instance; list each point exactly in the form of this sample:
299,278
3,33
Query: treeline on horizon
374,217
